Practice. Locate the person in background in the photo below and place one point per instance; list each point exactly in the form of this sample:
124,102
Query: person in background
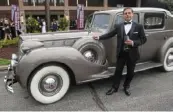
54,25
13,30
1,29
22,24
43,26
7,30
40,23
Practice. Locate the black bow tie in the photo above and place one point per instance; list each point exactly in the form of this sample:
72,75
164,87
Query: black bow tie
127,23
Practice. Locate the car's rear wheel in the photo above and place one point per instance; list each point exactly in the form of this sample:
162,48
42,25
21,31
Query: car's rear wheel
168,60
49,84
92,50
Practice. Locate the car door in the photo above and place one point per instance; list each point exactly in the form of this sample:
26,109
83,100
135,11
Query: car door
154,26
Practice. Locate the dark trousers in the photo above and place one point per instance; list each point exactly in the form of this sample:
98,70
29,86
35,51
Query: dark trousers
122,60
13,32
1,34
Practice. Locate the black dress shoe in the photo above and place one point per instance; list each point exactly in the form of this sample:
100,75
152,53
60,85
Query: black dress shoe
111,91
127,92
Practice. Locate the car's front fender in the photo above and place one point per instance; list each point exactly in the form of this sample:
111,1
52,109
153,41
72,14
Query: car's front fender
69,56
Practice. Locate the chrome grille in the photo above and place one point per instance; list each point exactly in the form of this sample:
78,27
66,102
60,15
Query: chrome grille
19,50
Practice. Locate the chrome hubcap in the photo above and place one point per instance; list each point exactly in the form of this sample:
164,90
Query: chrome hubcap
170,60
90,55
50,85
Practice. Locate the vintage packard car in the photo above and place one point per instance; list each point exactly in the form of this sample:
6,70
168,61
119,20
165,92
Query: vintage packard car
47,64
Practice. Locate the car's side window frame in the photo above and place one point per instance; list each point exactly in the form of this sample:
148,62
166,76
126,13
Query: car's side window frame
88,22
154,29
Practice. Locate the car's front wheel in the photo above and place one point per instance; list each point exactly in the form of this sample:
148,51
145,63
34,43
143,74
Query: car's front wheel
49,84
168,60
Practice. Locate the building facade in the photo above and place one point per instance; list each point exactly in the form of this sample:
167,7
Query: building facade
60,8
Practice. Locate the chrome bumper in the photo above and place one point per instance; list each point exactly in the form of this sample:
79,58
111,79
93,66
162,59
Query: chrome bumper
10,79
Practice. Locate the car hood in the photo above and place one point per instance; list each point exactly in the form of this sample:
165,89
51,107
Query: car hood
58,35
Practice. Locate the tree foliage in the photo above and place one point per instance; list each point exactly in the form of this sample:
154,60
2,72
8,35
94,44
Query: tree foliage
63,24
32,25
169,3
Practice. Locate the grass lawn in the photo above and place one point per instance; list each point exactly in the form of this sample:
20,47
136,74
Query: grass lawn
4,61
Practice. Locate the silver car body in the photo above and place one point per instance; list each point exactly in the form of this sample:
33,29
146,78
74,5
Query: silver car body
38,50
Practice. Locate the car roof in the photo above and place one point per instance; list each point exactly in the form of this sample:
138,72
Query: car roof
136,9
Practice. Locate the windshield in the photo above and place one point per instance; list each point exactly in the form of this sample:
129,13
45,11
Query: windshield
88,21
100,22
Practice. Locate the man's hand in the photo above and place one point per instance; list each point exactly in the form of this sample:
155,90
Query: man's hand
96,37
129,42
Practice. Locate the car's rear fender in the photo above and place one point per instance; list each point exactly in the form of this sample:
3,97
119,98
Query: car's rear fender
68,56
168,44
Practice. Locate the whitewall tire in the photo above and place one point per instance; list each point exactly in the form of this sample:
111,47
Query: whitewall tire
168,60
49,84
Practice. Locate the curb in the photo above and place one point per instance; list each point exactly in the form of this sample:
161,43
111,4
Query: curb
2,68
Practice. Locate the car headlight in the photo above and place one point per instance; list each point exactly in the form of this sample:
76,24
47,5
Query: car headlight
14,60
14,57
23,48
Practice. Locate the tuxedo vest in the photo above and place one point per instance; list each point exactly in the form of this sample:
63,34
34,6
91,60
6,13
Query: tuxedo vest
124,34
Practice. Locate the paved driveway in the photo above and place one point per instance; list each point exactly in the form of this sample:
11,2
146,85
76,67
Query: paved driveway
151,90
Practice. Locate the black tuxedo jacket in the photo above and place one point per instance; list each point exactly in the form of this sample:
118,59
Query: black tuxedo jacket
137,35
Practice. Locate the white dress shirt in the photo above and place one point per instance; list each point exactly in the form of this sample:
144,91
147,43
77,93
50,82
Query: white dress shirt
127,27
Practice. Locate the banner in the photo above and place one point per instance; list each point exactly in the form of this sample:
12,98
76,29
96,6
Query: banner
15,16
13,9
80,16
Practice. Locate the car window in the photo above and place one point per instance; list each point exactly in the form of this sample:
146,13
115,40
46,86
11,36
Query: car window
100,22
119,19
154,20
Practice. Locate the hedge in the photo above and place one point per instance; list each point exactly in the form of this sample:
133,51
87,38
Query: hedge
14,41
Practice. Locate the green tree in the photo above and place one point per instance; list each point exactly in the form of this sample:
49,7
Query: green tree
63,24
169,3
32,25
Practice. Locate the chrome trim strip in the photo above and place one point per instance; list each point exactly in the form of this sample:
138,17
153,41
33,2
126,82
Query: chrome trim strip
111,74
136,64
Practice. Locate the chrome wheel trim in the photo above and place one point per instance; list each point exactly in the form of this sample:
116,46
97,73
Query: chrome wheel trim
90,55
169,60
50,85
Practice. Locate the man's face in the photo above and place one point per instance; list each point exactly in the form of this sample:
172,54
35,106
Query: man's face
128,14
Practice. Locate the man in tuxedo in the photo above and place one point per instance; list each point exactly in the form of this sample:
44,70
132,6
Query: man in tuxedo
130,35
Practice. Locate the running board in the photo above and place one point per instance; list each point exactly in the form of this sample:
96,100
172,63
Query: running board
140,67
110,72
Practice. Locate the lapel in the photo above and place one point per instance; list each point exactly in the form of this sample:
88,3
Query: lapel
132,29
122,30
